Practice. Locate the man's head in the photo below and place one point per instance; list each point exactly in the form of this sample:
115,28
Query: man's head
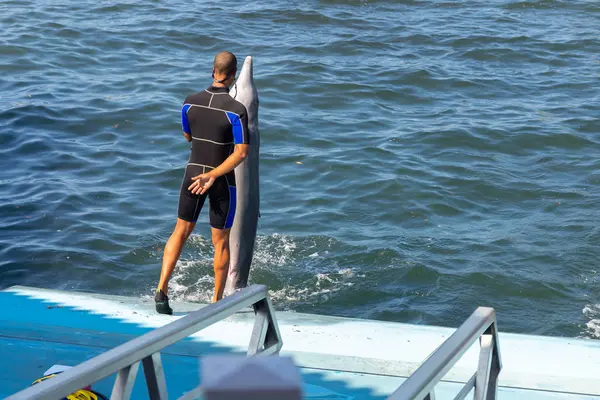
224,68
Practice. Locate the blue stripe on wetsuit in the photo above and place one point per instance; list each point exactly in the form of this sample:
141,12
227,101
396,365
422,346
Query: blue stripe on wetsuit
236,127
185,125
232,203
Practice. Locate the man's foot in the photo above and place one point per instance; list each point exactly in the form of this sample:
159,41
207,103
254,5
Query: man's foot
162,303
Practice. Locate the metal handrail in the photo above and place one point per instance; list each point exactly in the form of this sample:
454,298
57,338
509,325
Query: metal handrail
480,325
125,359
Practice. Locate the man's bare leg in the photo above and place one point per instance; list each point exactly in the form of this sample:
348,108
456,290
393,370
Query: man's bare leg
173,249
220,239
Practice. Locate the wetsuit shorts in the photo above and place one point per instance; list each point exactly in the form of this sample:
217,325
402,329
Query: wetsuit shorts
221,198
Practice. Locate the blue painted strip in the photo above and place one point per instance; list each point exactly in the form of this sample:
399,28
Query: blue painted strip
29,310
48,333
232,204
236,127
185,124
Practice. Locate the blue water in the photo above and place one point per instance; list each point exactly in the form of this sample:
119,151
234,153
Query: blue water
418,158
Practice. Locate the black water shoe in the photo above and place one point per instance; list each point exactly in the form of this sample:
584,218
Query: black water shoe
162,303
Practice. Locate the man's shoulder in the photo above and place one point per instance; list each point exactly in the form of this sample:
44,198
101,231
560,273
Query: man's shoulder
234,106
195,98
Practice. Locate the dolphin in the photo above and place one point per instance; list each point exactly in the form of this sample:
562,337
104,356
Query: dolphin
245,223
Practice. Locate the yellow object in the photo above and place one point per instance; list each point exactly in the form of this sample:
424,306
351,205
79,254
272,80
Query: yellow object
43,378
82,395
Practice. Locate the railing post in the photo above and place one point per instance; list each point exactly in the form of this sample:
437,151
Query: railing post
261,326
496,363
273,341
124,382
265,339
483,369
469,386
155,377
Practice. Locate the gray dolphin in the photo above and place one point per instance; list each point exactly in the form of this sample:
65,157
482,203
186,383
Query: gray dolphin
243,231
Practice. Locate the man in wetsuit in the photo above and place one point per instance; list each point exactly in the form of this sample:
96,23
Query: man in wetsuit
217,126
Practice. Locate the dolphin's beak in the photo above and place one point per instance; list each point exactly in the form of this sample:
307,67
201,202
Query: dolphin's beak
245,77
246,73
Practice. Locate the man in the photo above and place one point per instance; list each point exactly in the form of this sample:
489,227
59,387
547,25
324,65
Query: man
217,126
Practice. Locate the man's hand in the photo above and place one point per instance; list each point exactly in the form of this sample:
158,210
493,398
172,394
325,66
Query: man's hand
201,184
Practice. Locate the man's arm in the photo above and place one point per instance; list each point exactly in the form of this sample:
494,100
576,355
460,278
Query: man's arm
239,154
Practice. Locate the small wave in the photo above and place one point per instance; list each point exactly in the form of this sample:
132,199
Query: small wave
191,283
276,250
120,8
537,4
315,290
592,312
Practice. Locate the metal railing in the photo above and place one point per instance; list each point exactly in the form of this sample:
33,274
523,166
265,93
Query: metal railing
481,324
125,359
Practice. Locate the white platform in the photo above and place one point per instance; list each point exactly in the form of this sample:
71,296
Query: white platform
363,354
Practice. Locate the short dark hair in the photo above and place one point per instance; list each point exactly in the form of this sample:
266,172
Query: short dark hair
225,63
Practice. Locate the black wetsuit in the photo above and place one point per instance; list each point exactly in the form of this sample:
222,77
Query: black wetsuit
216,123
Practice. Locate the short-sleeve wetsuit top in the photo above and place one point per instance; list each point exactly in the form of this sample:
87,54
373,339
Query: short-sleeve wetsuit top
216,122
